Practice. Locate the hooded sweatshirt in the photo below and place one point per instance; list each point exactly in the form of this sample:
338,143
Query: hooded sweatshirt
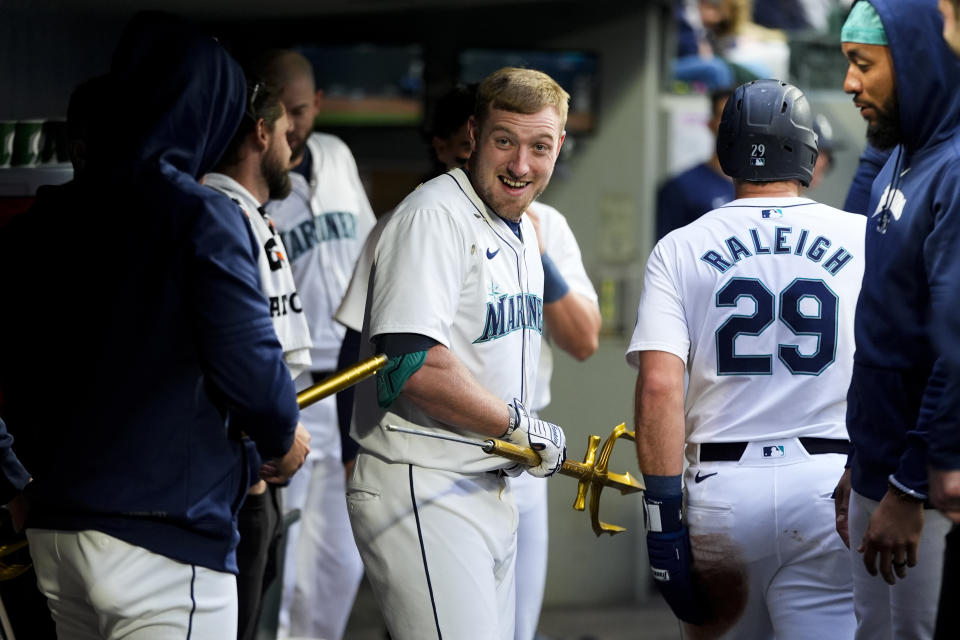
912,262
137,345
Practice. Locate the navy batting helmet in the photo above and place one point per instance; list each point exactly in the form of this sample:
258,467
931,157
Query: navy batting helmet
766,134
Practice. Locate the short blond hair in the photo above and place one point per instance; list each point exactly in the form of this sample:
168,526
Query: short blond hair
520,91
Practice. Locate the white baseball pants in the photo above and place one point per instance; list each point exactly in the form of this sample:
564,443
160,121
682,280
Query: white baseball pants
322,567
101,588
769,519
530,495
908,609
438,547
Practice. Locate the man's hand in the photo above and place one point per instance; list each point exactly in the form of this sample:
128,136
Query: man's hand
546,438
841,507
18,508
892,536
670,565
279,470
945,492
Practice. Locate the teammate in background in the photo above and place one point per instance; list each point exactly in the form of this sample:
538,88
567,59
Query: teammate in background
572,320
687,196
447,135
755,301
456,302
323,224
254,169
826,146
137,467
912,266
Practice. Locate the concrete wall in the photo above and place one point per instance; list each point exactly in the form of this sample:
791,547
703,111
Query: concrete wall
607,192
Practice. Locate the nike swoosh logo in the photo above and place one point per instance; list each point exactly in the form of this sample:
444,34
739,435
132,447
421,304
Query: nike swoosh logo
699,478
491,256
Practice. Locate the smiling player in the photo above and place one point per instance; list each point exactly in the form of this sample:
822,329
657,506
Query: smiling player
456,302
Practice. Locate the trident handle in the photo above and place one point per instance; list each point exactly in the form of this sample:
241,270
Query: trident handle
341,380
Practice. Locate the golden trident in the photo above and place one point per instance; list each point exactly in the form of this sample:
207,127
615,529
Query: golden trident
592,473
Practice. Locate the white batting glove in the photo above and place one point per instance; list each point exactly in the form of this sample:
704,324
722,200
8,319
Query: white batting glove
544,437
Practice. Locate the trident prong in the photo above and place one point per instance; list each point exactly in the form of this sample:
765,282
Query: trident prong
601,477
592,472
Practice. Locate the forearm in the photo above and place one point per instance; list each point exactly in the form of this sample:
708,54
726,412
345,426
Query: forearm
446,391
574,324
658,414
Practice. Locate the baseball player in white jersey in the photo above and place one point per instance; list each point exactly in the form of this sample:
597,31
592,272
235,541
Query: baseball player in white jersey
456,302
323,223
254,168
755,301
570,312
572,322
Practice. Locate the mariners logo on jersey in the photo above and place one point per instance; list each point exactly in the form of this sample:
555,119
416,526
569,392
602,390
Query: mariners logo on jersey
323,227
508,313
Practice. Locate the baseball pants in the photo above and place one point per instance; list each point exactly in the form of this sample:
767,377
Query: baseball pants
101,588
438,547
763,540
322,568
530,496
908,609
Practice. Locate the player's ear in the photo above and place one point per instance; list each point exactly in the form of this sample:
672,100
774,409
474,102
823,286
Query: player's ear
563,136
317,99
473,132
439,145
262,132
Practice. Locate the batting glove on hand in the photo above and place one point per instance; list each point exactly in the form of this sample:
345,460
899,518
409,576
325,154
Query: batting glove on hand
668,548
544,437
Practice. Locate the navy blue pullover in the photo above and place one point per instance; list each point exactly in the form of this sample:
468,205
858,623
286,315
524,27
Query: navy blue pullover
142,286
912,263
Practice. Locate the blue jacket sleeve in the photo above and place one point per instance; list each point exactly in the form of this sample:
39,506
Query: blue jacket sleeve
858,197
942,262
13,477
242,357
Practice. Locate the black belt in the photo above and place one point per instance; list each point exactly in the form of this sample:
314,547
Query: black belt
733,451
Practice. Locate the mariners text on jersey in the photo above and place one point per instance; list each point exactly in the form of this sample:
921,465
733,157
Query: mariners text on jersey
783,242
508,313
331,225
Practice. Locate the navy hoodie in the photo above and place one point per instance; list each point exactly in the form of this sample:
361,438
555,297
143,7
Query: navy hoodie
136,344
912,261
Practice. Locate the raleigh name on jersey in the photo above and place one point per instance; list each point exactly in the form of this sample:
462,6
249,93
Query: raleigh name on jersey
323,224
758,297
449,268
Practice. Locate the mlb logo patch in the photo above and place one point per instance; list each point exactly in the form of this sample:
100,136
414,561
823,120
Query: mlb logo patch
770,214
773,452
758,162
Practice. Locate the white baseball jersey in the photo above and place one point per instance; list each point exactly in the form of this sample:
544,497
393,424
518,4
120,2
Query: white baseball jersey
276,278
758,297
324,225
350,313
561,245
448,268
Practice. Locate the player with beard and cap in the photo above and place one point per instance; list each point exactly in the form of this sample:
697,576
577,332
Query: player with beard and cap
456,301
255,168
323,223
900,387
138,466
